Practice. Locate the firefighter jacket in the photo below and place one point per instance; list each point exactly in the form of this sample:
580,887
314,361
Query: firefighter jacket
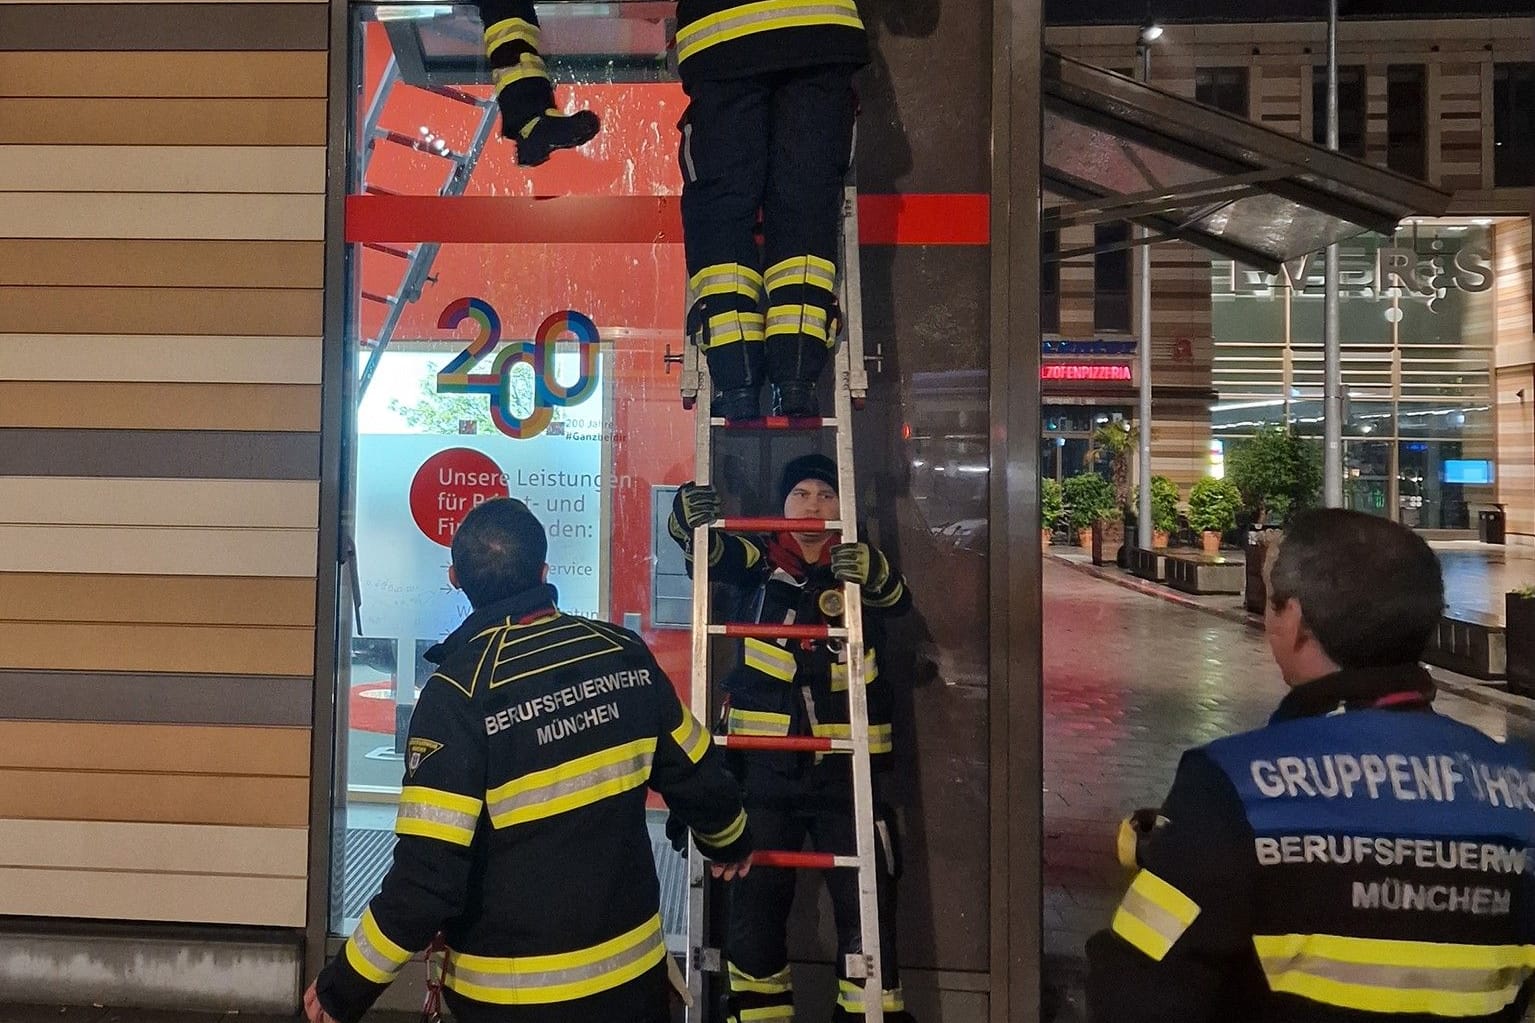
719,39
794,687
521,827
1372,864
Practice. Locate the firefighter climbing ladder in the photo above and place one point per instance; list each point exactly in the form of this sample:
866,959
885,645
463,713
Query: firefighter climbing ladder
418,260
850,387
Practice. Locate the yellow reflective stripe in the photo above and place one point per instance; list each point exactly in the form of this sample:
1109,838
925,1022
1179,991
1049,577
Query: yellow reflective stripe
756,722
1383,975
529,65
887,600
850,997
765,16
776,984
731,326
372,954
881,737
433,813
770,659
571,785
1153,915
734,830
797,319
725,279
766,1014
691,737
839,672
511,30
796,270
528,980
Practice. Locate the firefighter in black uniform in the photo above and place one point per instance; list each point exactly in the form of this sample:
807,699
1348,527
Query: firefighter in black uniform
1360,858
769,128
524,89
521,824
795,688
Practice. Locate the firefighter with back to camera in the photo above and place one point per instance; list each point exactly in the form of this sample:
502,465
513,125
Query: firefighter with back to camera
1361,858
792,687
521,826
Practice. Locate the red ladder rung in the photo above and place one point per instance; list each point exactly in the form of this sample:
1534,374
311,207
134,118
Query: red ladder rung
801,860
784,743
775,423
388,250
756,630
378,190
372,297
456,95
747,524
420,145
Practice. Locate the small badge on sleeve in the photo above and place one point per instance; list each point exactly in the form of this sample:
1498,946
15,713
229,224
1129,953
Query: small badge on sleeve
416,752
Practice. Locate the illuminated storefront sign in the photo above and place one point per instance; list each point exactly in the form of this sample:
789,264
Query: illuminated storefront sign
1086,372
1097,346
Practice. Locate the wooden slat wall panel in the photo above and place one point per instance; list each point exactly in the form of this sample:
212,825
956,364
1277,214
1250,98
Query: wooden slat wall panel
160,358
1515,373
157,600
162,219
216,170
63,501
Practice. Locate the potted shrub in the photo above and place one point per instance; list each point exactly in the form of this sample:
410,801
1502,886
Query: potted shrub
1519,633
1088,498
1113,444
1277,473
1051,507
1164,510
1213,508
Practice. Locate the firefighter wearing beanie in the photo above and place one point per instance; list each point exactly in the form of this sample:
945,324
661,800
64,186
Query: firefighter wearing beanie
794,687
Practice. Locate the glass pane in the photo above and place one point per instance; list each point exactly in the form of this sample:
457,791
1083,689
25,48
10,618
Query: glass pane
1440,482
1367,476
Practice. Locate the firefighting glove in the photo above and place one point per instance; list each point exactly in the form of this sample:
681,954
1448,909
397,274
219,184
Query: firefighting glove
677,833
695,505
859,563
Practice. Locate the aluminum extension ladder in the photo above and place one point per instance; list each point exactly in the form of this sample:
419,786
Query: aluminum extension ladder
418,260
850,387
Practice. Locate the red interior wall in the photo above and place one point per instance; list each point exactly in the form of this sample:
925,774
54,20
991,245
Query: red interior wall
634,293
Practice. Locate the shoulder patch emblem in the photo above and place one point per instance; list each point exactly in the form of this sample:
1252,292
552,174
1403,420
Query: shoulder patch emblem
416,752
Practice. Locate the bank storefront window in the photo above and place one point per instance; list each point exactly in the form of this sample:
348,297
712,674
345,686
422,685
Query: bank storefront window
1416,323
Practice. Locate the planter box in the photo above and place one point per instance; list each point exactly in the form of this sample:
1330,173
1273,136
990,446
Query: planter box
1150,565
1108,538
1205,573
1519,640
1471,643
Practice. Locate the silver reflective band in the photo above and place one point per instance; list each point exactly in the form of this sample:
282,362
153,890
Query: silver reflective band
760,17
622,765
559,977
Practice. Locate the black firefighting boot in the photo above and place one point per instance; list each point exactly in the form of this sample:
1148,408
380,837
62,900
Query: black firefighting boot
540,136
796,399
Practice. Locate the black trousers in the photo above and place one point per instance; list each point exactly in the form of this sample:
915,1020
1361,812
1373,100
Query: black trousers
757,933
779,143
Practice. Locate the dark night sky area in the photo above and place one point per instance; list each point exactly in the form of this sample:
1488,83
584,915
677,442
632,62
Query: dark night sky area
1122,12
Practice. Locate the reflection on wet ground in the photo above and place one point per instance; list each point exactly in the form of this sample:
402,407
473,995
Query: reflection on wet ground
1130,682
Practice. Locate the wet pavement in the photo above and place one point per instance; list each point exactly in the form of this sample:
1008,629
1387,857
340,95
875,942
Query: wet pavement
1132,680
1476,576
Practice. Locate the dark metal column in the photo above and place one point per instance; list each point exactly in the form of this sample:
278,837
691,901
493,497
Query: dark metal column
1016,737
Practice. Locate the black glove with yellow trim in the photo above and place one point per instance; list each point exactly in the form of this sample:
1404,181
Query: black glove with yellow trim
696,505
859,563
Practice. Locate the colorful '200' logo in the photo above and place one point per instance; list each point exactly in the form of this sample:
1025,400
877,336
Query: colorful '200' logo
538,354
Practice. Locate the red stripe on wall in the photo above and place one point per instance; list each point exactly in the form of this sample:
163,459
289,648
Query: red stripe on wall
645,220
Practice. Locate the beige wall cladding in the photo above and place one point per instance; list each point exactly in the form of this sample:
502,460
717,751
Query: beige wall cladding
1514,378
161,358
293,170
187,649
172,263
150,215
247,601
63,501
162,266
162,75
147,406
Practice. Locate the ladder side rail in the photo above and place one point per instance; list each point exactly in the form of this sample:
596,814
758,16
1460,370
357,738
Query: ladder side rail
858,710
699,685
851,287
366,138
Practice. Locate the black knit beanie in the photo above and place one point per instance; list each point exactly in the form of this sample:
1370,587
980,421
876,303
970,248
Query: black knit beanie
807,467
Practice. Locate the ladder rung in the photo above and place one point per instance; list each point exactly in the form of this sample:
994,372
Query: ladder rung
802,860
388,250
776,423
378,190
372,297
420,145
457,95
784,743
759,630
747,524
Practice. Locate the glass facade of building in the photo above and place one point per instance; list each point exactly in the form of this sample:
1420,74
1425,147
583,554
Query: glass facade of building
1416,315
